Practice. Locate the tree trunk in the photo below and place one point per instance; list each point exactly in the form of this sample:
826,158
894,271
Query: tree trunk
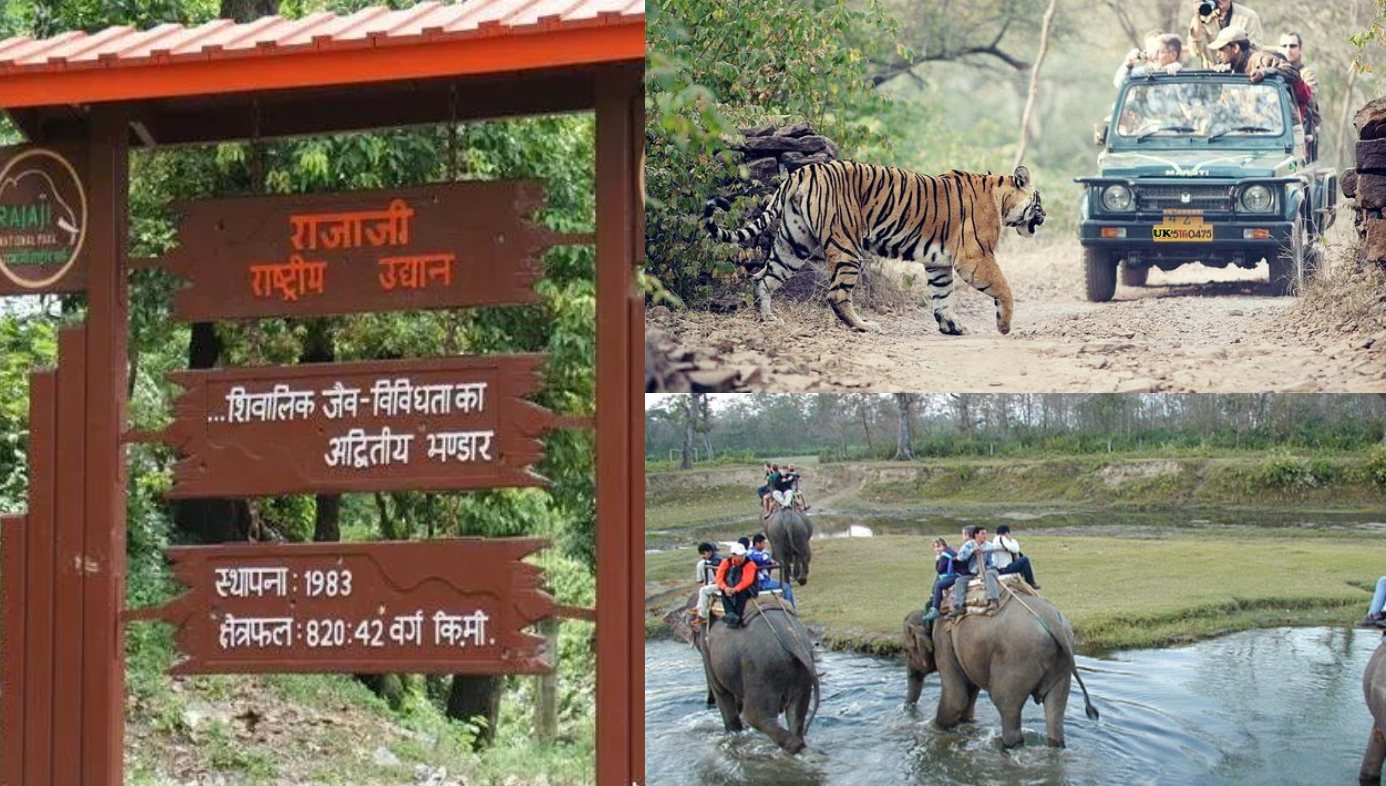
690,426
903,436
210,520
866,427
319,347
473,699
1034,82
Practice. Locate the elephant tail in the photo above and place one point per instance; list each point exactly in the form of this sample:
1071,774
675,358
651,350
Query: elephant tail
1088,708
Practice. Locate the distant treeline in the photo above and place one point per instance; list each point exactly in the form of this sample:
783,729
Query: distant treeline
838,426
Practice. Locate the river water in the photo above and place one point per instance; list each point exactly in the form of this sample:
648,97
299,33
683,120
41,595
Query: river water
1275,707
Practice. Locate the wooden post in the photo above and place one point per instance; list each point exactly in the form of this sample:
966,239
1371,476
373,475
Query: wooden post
103,667
546,706
69,576
636,467
617,728
38,637
13,534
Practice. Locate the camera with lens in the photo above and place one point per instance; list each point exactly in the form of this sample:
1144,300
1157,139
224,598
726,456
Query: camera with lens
1206,8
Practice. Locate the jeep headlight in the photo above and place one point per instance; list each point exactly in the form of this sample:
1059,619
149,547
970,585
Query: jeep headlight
1116,198
1257,199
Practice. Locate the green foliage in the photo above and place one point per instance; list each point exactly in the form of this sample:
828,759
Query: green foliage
26,341
1375,465
711,66
1286,471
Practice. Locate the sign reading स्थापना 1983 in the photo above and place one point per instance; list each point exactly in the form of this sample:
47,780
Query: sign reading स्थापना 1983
43,220
455,605
447,245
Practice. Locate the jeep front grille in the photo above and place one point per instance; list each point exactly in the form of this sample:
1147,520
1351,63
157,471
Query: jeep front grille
1187,197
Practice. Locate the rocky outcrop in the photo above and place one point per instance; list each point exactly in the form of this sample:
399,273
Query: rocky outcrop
770,151
1366,183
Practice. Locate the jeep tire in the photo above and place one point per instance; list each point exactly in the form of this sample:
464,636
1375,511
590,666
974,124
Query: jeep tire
1134,276
1100,270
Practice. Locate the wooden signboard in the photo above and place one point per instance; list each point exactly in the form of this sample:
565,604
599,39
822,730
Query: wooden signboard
438,424
454,605
439,246
43,220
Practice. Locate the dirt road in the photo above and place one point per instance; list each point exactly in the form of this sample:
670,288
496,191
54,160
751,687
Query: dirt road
1191,329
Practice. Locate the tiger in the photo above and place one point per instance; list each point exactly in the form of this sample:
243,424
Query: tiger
839,210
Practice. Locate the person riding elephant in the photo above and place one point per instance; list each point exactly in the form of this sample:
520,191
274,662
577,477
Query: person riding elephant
759,672
1023,651
1374,688
737,578
789,532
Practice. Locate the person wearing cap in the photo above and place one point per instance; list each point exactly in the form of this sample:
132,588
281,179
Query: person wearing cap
736,578
1240,56
1008,558
764,563
1225,14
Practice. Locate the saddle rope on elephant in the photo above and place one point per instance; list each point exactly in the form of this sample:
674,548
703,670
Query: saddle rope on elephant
797,655
1088,707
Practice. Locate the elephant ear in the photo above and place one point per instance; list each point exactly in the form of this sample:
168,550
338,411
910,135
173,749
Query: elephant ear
677,620
922,636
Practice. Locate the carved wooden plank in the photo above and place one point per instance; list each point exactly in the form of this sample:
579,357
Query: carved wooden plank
453,605
439,246
428,425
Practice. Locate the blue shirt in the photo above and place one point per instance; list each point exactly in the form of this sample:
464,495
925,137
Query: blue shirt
964,559
762,561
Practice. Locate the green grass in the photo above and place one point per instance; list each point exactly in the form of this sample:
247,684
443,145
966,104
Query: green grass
1117,592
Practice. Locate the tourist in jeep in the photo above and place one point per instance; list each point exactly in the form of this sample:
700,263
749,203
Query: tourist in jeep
1213,16
1164,51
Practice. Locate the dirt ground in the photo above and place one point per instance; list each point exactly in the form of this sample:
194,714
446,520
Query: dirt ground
1193,329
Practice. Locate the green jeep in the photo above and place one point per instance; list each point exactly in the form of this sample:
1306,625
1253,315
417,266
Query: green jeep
1203,167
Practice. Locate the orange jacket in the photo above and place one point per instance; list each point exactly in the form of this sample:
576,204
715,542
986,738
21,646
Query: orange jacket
748,575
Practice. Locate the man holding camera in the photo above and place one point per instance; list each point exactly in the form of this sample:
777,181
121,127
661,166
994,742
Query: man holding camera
1161,54
1212,17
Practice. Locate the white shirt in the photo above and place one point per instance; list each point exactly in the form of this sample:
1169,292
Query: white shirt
1008,550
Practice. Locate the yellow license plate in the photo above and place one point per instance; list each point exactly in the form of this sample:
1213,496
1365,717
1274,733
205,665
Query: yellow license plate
1183,229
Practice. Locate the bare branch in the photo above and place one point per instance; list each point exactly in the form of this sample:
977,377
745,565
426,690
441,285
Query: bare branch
892,69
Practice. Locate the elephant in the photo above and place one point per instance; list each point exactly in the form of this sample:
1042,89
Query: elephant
758,671
789,532
1014,654
1374,687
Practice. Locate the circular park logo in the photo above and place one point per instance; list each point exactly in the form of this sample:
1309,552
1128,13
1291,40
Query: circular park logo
43,218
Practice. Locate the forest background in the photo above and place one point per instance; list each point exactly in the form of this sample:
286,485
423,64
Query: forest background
925,86
482,727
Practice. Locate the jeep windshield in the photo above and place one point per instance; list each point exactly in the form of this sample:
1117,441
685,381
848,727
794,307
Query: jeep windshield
1201,110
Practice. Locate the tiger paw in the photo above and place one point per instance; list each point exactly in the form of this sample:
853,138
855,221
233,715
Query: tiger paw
864,326
951,328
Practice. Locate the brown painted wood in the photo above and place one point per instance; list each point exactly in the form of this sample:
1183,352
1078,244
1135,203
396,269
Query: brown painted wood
615,412
103,639
13,610
69,568
440,246
635,386
39,628
278,430
359,607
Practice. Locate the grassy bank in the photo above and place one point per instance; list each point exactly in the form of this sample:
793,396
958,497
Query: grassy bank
1118,592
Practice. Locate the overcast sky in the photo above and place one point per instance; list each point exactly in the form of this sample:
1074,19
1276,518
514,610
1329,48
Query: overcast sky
719,400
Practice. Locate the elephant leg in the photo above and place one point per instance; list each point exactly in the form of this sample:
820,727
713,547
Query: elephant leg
727,705
1010,707
953,702
916,687
970,712
1371,761
711,699
1055,705
800,699
762,712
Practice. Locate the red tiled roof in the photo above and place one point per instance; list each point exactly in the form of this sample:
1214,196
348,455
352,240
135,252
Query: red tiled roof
477,36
